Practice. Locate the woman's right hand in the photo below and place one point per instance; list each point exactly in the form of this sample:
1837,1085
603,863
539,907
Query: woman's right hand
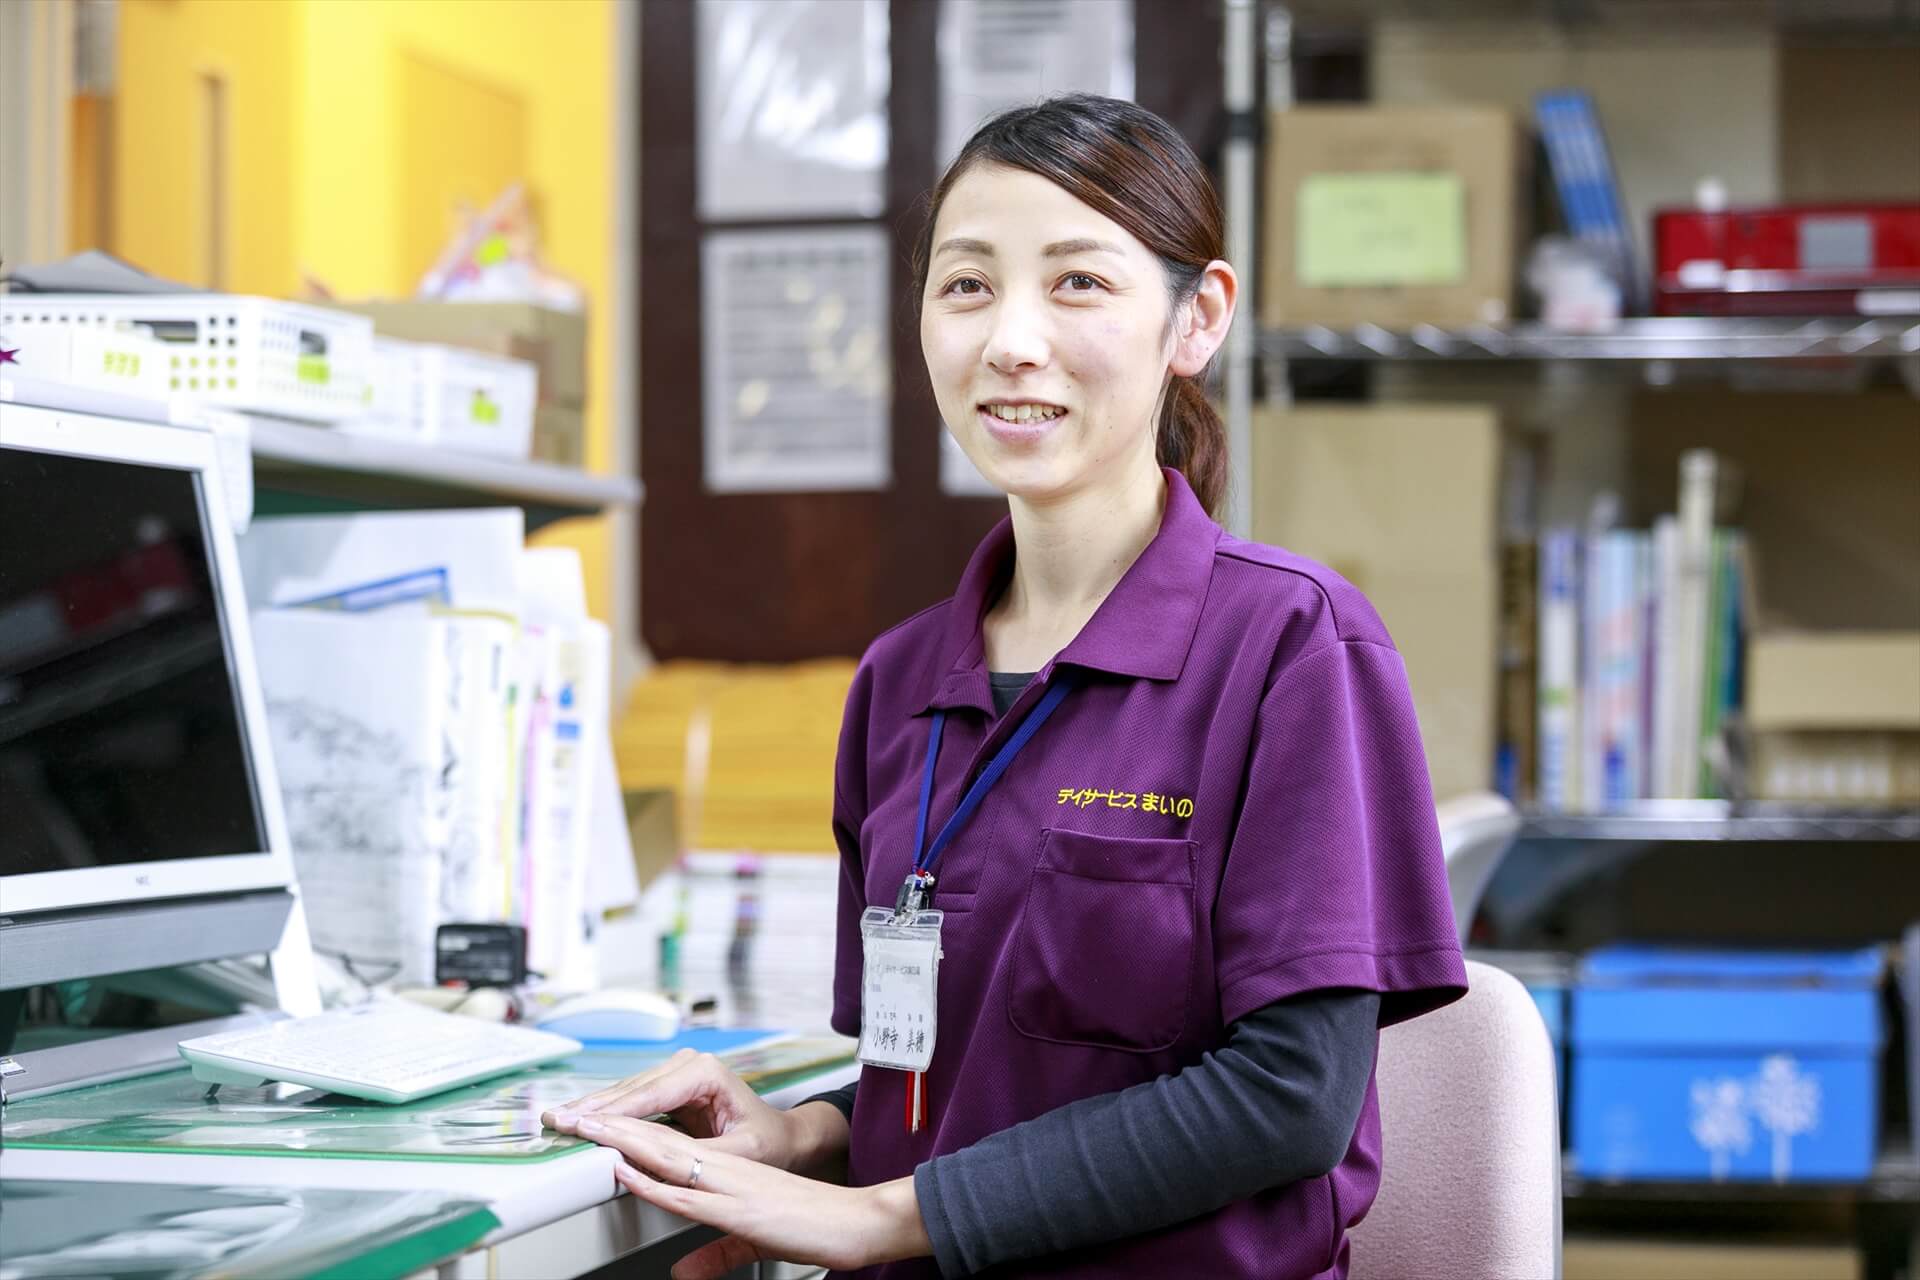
706,1100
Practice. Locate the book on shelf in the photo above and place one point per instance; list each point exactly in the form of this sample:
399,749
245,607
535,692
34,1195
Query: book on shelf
1516,760
1559,663
1583,178
1640,652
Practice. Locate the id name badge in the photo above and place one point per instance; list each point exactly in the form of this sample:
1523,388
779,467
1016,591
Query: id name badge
899,982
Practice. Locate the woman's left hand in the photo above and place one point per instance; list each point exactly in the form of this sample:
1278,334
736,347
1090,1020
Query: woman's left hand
767,1213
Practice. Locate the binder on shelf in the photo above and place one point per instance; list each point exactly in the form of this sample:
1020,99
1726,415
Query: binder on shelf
1583,176
1559,663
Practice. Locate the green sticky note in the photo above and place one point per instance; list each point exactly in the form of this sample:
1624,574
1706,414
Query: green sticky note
1361,229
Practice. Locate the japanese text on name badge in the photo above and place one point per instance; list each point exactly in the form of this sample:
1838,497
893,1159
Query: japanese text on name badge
897,1003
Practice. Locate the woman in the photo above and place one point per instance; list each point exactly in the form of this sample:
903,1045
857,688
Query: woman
1165,785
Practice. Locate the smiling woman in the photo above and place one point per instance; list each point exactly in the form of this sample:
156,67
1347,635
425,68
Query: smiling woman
1138,851
1042,280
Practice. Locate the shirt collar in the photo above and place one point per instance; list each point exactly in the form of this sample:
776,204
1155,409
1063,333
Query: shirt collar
1144,628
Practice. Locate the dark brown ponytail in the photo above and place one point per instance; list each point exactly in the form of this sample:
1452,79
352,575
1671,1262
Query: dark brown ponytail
1133,167
1193,441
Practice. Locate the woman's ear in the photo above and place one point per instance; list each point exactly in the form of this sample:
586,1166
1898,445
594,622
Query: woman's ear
1203,322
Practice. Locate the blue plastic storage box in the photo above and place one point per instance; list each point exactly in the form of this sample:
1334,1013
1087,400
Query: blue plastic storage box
1726,1066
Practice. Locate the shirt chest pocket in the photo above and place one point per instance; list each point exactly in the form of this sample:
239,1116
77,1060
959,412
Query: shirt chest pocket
1103,953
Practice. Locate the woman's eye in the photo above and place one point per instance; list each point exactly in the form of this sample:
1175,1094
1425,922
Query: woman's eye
966,287
1080,282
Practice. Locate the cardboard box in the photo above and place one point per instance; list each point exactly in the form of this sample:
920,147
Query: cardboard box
560,435
555,341
1847,770
1394,216
1702,1066
1402,501
1827,485
1609,1257
1834,680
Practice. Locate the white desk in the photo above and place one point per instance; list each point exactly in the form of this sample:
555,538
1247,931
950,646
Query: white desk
559,1217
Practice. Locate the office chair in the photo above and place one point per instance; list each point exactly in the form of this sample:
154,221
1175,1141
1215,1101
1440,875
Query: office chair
1476,830
1470,1137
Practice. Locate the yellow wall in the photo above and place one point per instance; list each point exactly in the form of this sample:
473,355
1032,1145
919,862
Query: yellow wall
318,90
160,185
556,57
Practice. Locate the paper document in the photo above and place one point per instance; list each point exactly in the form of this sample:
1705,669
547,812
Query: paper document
797,373
562,678
394,770
1381,229
791,108
553,585
996,54
568,667
289,558
614,883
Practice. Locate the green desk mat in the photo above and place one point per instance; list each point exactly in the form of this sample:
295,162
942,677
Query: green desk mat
143,1231
493,1121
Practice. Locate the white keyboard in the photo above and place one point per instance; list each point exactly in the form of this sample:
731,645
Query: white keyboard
387,1051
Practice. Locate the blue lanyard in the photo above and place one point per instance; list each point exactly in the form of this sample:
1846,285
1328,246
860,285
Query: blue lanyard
924,857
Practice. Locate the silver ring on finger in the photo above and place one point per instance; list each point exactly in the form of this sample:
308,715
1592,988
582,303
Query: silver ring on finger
693,1179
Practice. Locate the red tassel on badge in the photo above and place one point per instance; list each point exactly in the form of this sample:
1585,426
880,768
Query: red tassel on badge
916,1101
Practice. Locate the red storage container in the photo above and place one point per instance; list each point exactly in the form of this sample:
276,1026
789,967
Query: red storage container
1829,259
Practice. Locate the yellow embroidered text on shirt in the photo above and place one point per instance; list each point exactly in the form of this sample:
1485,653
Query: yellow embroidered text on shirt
1147,802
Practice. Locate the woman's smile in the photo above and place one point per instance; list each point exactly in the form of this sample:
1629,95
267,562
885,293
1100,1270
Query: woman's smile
1020,422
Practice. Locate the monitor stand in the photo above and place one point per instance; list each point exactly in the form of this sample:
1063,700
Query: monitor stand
117,940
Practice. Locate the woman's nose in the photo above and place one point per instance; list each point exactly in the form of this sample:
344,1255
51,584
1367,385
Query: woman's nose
1018,340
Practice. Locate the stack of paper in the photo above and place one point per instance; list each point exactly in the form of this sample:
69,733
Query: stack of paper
394,769
437,698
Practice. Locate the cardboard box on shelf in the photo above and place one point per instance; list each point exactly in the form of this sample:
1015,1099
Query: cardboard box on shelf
560,435
1835,718
1402,501
1394,216
1836,768
1827,485
1833,611
1607,1257
555,341
1834,680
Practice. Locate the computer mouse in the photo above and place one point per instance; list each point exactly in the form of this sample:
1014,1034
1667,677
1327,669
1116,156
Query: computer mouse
614,1014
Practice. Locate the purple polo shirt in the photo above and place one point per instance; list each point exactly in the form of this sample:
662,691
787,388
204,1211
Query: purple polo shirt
1232,808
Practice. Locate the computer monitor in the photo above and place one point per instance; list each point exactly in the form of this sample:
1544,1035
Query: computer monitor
140,819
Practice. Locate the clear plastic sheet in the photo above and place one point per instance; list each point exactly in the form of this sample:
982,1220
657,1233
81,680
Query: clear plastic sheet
792,108
497,1120
141,1231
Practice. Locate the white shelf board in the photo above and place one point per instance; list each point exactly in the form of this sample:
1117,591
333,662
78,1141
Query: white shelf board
280,446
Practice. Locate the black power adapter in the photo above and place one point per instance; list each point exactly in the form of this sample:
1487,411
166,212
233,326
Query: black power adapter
480,955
